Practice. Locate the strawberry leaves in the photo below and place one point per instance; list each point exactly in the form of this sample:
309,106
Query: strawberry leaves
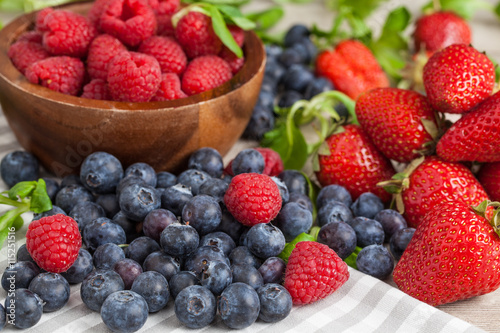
463,8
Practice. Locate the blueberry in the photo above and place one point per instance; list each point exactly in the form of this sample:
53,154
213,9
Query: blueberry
141,247
289,98
23,254
230,225
200,259
317,86
165,179
214,187
367,205
69,196
375,260
261,122
400,240
162,263
136,201
368,231
297,77
156,221
219,239
54,211
124,311
100,172
293,219
102,231
310,47
130,227
193,179
144,171
285,195
19,166
247,274
268,90
265,240
108,202
342,110
208,160
203,213
19,275
179,240
175,197
239,305
295,181
340,237
275,302
127,181
391,221
273,50
292,57
182,280
85,212
154,288
248,161
25,306
106,255
302,200
70,180
295,34
128,270
53,289
242,255
52,187
334,211
80,268
98,285
195,306
216,277
333,193
273,270
3,317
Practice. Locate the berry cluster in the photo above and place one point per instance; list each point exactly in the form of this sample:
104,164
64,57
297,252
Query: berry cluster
126,50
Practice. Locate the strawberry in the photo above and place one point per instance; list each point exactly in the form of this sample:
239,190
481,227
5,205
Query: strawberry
475,136
352,68
489,177
457,78
354,163
453,255
401,123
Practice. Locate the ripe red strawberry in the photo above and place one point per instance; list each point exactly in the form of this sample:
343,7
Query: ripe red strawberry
354,163
253,198
438,30
53,242
457,78
453,255
314,271
197,37
352,68
489,177
475,136
401,123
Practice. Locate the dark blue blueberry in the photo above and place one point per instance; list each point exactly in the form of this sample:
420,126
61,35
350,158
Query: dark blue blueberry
273,50
214,187
216,277
340,237
208,160
317,86
273,270
261,122
289,98
80,268
98,285
127,181
136,201
368,231
54,211
265,240
162,263
375,260
274,71
400,240
342,110
203,213
19,166
275,302
53,289
102,231
19,275
247,274
311,49
297,77
52,187
219,239
295,34
154,288
239,305
285,195
293,219
24,308
108,202
334,211
144,171
141,247
3,317
106,255
182,280
85,212
124,311
69,196
242,255
70,180
195,306
128,270
367,205
333,193
156,221
230,225
165,179
193,179
175,197
23,254
248,161
179,240
100,172
295,181
391,221
130,227
302,200
268,91
198,260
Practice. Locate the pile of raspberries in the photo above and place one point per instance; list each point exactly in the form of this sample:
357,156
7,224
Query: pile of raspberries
127,51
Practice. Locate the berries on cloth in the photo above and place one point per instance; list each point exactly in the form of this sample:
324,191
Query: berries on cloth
314,271
167,51
205,73
23,53
195,33
170,88
53,242
102,49
96,89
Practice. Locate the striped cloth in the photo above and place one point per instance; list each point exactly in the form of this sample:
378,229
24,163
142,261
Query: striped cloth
364,304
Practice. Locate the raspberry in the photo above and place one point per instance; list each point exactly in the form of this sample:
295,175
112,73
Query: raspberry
205,73
53,242
195,33
95,12
167,51
31,36
164,6
24,53
131,21
40,18
165,26
273,162
68,33
63,74
232,59
313,272
102,49
237,33
133,77
96,89
170,88
253,198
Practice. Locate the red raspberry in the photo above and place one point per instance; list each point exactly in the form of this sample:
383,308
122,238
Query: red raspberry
313,272
195,33
133,77
31,36
232,59
167,51
205,73
96,89
63,74
40,19
273,163
253,198
53,242
95,12
24,53
170,88
237,33
102,49
131,21
164,6
165,25
68,33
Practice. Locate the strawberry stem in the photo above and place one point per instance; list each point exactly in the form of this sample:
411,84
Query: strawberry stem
437,5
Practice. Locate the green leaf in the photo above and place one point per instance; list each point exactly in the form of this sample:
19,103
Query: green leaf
31,5
236,3
235,16
21,190
496,10
495,63
397,20
221,30
11,5
464,8
285,254
292,1
313,191
351,260
361,8
18,222
267,18
40,200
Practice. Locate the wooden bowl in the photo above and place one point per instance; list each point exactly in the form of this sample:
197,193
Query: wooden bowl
61,130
